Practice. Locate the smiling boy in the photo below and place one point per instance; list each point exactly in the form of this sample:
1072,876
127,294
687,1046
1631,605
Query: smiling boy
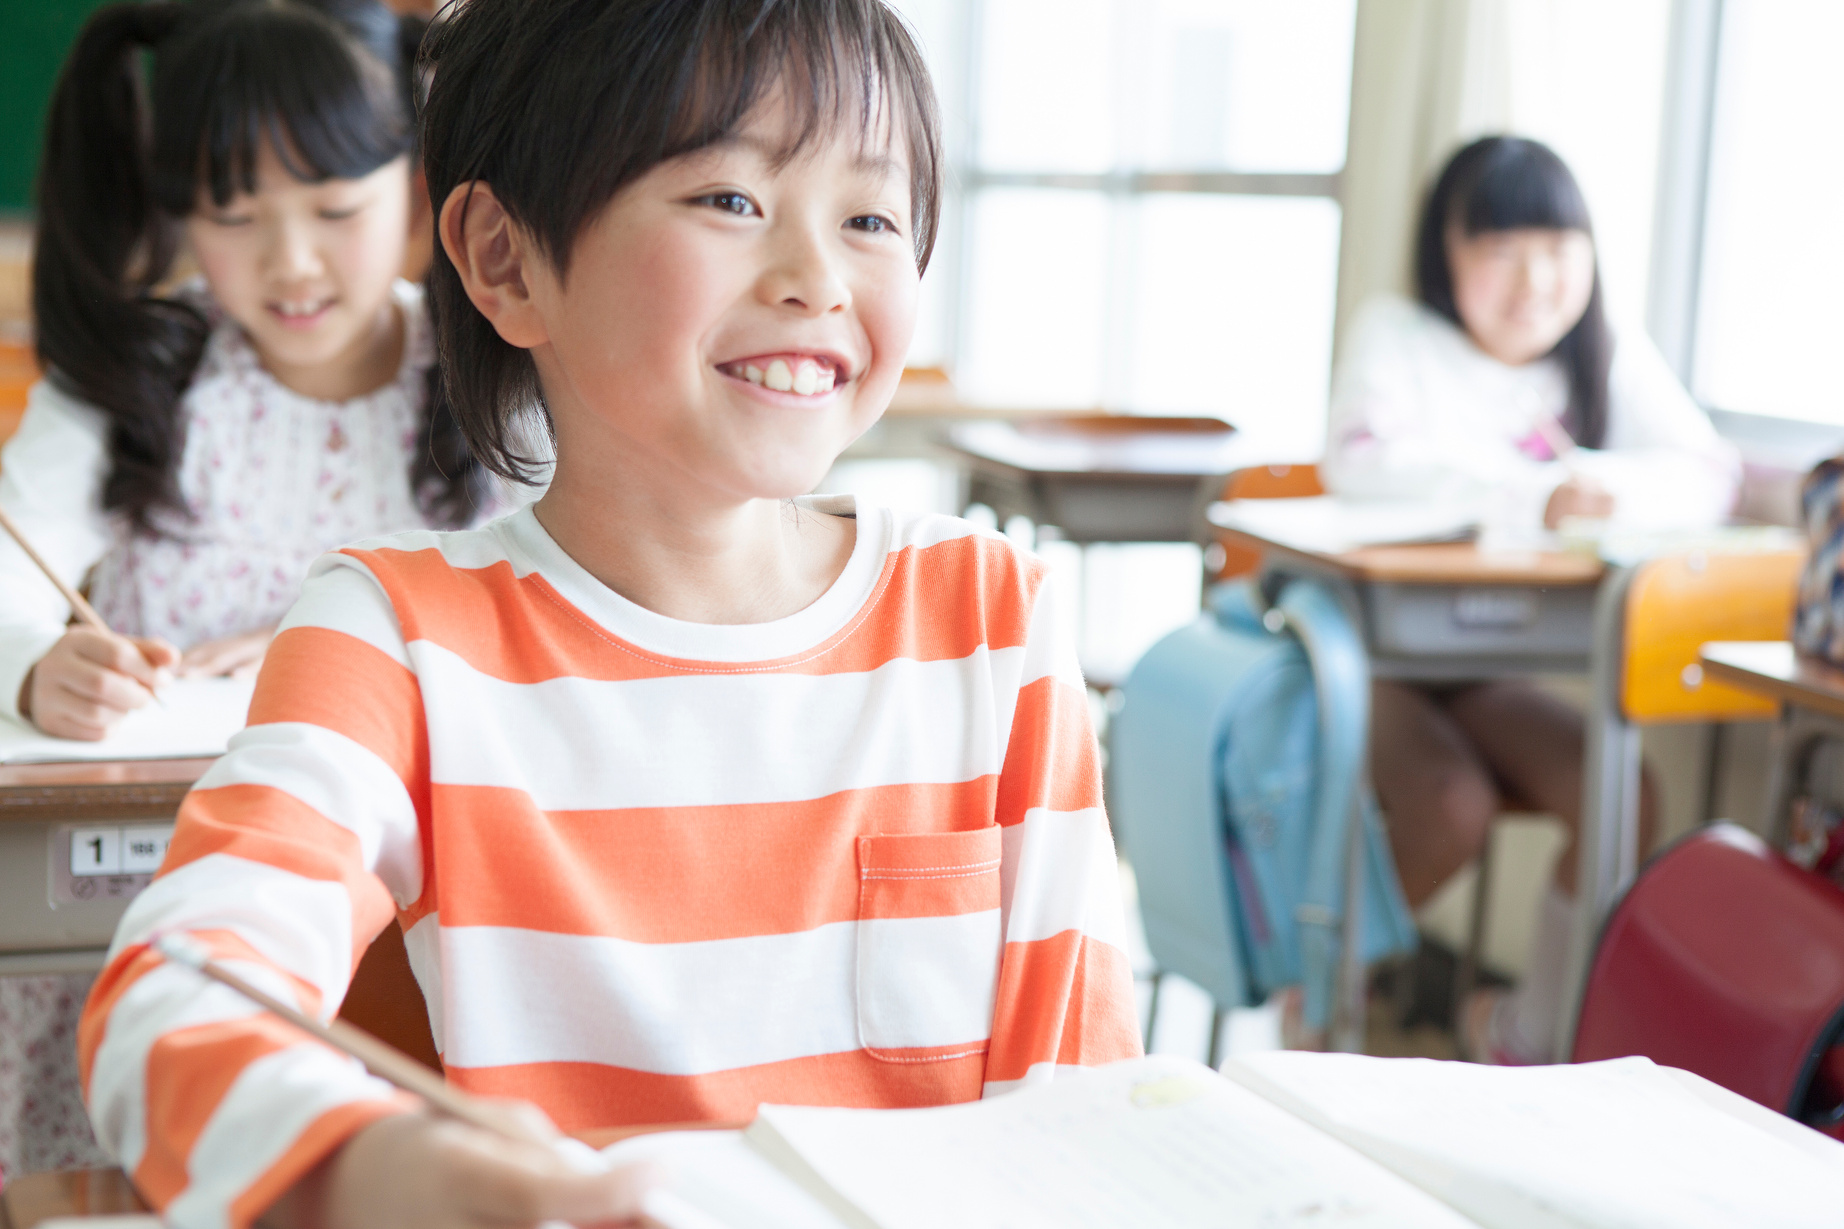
688,791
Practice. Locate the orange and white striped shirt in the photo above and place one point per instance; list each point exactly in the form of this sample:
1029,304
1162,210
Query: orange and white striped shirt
647,870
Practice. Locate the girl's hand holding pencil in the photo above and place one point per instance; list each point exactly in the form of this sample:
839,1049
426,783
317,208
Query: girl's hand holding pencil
92,677
1579,494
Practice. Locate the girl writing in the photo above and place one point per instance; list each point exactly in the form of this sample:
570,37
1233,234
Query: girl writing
194,447
197,446
1503,387
687,791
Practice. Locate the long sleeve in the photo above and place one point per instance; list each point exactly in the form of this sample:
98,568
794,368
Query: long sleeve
1663,461
290,855
51,478
1419,412
1065,995
1407,421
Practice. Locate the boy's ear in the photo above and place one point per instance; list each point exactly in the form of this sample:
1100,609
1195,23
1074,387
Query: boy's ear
493,257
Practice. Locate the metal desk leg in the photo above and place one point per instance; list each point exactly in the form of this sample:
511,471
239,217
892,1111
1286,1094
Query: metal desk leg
1350,995
1608,846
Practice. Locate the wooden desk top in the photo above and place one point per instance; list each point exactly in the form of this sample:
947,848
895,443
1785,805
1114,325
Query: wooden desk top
1771,668
107,1192
1439,563
105,789
1102,445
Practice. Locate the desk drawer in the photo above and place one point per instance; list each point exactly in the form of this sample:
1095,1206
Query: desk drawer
1512,621
36,870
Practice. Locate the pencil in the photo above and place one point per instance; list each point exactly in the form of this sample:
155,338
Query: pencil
380,1059
1560,442
659,1205
80,606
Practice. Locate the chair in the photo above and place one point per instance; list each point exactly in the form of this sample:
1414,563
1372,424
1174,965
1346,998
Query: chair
18,372
385,1000
1257,482
1650,621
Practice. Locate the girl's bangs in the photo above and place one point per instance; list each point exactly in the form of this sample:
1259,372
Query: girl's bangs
1523,186
289,79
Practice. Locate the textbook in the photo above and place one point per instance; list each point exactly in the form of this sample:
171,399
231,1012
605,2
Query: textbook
1278,1139
195,717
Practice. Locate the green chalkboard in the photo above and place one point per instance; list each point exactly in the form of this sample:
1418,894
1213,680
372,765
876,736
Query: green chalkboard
34,37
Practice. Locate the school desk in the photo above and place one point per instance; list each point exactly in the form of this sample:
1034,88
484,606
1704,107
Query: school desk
1435,613
77,841
1099,477
1447,612
1809,694
107,1192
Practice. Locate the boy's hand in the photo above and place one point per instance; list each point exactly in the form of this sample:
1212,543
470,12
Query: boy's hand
416,1171
90,680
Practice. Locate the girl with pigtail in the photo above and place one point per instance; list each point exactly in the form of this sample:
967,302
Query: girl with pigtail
198,441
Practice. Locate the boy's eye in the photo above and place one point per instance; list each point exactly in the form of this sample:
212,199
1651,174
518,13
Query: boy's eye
872,223
730,202
339,215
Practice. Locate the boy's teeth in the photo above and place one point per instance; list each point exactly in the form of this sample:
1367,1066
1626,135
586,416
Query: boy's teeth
804,377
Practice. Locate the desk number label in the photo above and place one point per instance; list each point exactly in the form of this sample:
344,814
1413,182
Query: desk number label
106,862
96,851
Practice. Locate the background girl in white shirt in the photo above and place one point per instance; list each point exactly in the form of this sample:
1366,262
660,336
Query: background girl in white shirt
1468,395
192,450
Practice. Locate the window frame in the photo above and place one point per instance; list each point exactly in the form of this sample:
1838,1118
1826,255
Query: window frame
966,179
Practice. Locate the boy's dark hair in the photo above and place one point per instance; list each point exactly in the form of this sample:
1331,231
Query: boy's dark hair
328,83
1508,183
559,104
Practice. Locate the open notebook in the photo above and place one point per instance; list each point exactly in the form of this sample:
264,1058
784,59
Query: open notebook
195,717
1329,524
1287,1139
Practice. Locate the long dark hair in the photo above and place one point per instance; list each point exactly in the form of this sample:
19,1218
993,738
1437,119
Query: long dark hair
1508,183
328,83
560,103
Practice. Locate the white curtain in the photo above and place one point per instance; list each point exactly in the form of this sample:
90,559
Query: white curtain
1586,76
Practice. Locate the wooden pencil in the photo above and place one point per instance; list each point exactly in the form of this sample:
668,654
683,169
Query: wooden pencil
79,605
382,1060
86,613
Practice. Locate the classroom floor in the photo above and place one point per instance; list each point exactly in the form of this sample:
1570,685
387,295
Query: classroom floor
1407,1017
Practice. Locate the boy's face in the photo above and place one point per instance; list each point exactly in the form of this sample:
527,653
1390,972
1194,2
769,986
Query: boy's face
733,322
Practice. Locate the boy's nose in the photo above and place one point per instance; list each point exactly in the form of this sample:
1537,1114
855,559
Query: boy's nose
802,275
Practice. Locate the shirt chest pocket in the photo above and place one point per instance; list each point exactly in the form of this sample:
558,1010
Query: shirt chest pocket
928,943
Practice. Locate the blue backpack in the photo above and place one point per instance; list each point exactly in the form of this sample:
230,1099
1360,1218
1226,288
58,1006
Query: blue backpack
1236,767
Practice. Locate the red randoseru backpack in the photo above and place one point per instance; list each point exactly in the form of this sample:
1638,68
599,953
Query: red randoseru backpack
1727,959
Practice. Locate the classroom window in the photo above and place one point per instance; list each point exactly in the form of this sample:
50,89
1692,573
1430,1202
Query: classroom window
1769,307
1143,211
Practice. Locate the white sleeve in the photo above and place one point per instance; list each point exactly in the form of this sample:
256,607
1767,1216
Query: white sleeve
1663,460
51,477
1393,434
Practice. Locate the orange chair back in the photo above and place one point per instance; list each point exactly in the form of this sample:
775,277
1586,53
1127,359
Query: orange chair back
385,1000
18,372
1678,604
1263,482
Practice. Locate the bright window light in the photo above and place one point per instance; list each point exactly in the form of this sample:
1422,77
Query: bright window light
1232,312
1771,304
1035,298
